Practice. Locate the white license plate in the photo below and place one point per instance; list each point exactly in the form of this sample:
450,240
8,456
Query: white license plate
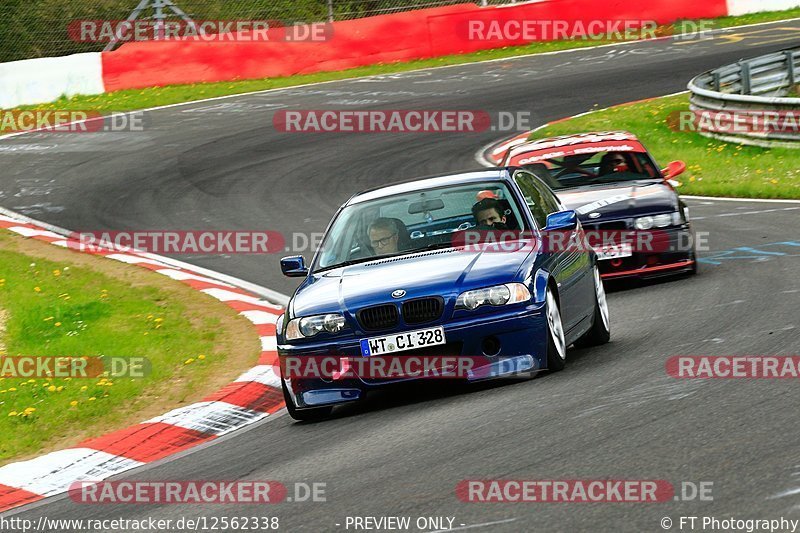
401,342
614,252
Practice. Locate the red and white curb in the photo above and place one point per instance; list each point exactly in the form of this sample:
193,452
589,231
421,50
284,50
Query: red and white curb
251,397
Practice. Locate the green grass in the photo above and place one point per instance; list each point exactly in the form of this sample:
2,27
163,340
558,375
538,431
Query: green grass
129,100
53,307
715,168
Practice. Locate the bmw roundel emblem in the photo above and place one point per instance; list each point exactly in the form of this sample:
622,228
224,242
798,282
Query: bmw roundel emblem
399,293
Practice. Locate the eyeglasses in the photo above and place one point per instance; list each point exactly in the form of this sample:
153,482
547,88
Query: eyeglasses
381,243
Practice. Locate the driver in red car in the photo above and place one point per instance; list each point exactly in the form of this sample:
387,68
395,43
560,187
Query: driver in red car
613,162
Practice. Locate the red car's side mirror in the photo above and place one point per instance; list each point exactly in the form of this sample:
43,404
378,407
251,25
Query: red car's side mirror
674,169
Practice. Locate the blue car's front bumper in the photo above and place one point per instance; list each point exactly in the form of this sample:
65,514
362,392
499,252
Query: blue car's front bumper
520,333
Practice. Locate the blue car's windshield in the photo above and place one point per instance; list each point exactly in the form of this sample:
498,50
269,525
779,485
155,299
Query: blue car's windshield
416,221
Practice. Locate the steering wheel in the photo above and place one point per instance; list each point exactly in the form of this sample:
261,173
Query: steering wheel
579,170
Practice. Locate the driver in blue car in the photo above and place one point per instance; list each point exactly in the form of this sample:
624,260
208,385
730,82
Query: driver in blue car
384,236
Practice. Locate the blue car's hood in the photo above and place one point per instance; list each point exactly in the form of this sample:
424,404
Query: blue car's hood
442,272
620,199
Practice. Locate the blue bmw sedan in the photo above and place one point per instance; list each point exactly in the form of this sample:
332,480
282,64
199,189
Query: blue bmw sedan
450,273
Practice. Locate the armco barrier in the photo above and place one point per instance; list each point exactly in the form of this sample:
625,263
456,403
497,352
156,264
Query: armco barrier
750,87
383,39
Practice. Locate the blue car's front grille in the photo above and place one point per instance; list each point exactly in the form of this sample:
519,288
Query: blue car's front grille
379,317
422,310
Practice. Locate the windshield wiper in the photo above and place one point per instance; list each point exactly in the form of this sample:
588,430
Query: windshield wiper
432,246
346,263
351,262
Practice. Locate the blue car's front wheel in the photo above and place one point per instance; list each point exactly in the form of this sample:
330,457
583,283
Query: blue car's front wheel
556,340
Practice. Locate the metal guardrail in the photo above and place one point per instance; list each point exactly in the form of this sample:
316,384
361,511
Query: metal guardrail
751,87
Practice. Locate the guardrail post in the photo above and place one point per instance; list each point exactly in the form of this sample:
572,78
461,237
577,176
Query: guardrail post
747,80
717,81
790,67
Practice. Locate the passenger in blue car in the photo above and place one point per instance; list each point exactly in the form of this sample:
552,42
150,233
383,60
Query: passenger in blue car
488,214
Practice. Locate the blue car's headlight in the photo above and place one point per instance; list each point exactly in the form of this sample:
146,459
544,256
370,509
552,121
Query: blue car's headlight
300,328
510,293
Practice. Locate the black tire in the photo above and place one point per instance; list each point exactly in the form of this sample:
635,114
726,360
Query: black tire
693,271
315,413
601,325
556,348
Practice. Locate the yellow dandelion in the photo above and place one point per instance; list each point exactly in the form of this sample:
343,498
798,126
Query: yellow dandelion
51,388
73,403
37,289
92,399
57,324
189,361
56,272
201,357
12,413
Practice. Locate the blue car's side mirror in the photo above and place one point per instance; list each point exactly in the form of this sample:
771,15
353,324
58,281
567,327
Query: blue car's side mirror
294,266
563,220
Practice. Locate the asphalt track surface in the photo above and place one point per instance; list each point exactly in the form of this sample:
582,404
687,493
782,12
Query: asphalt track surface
613,413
